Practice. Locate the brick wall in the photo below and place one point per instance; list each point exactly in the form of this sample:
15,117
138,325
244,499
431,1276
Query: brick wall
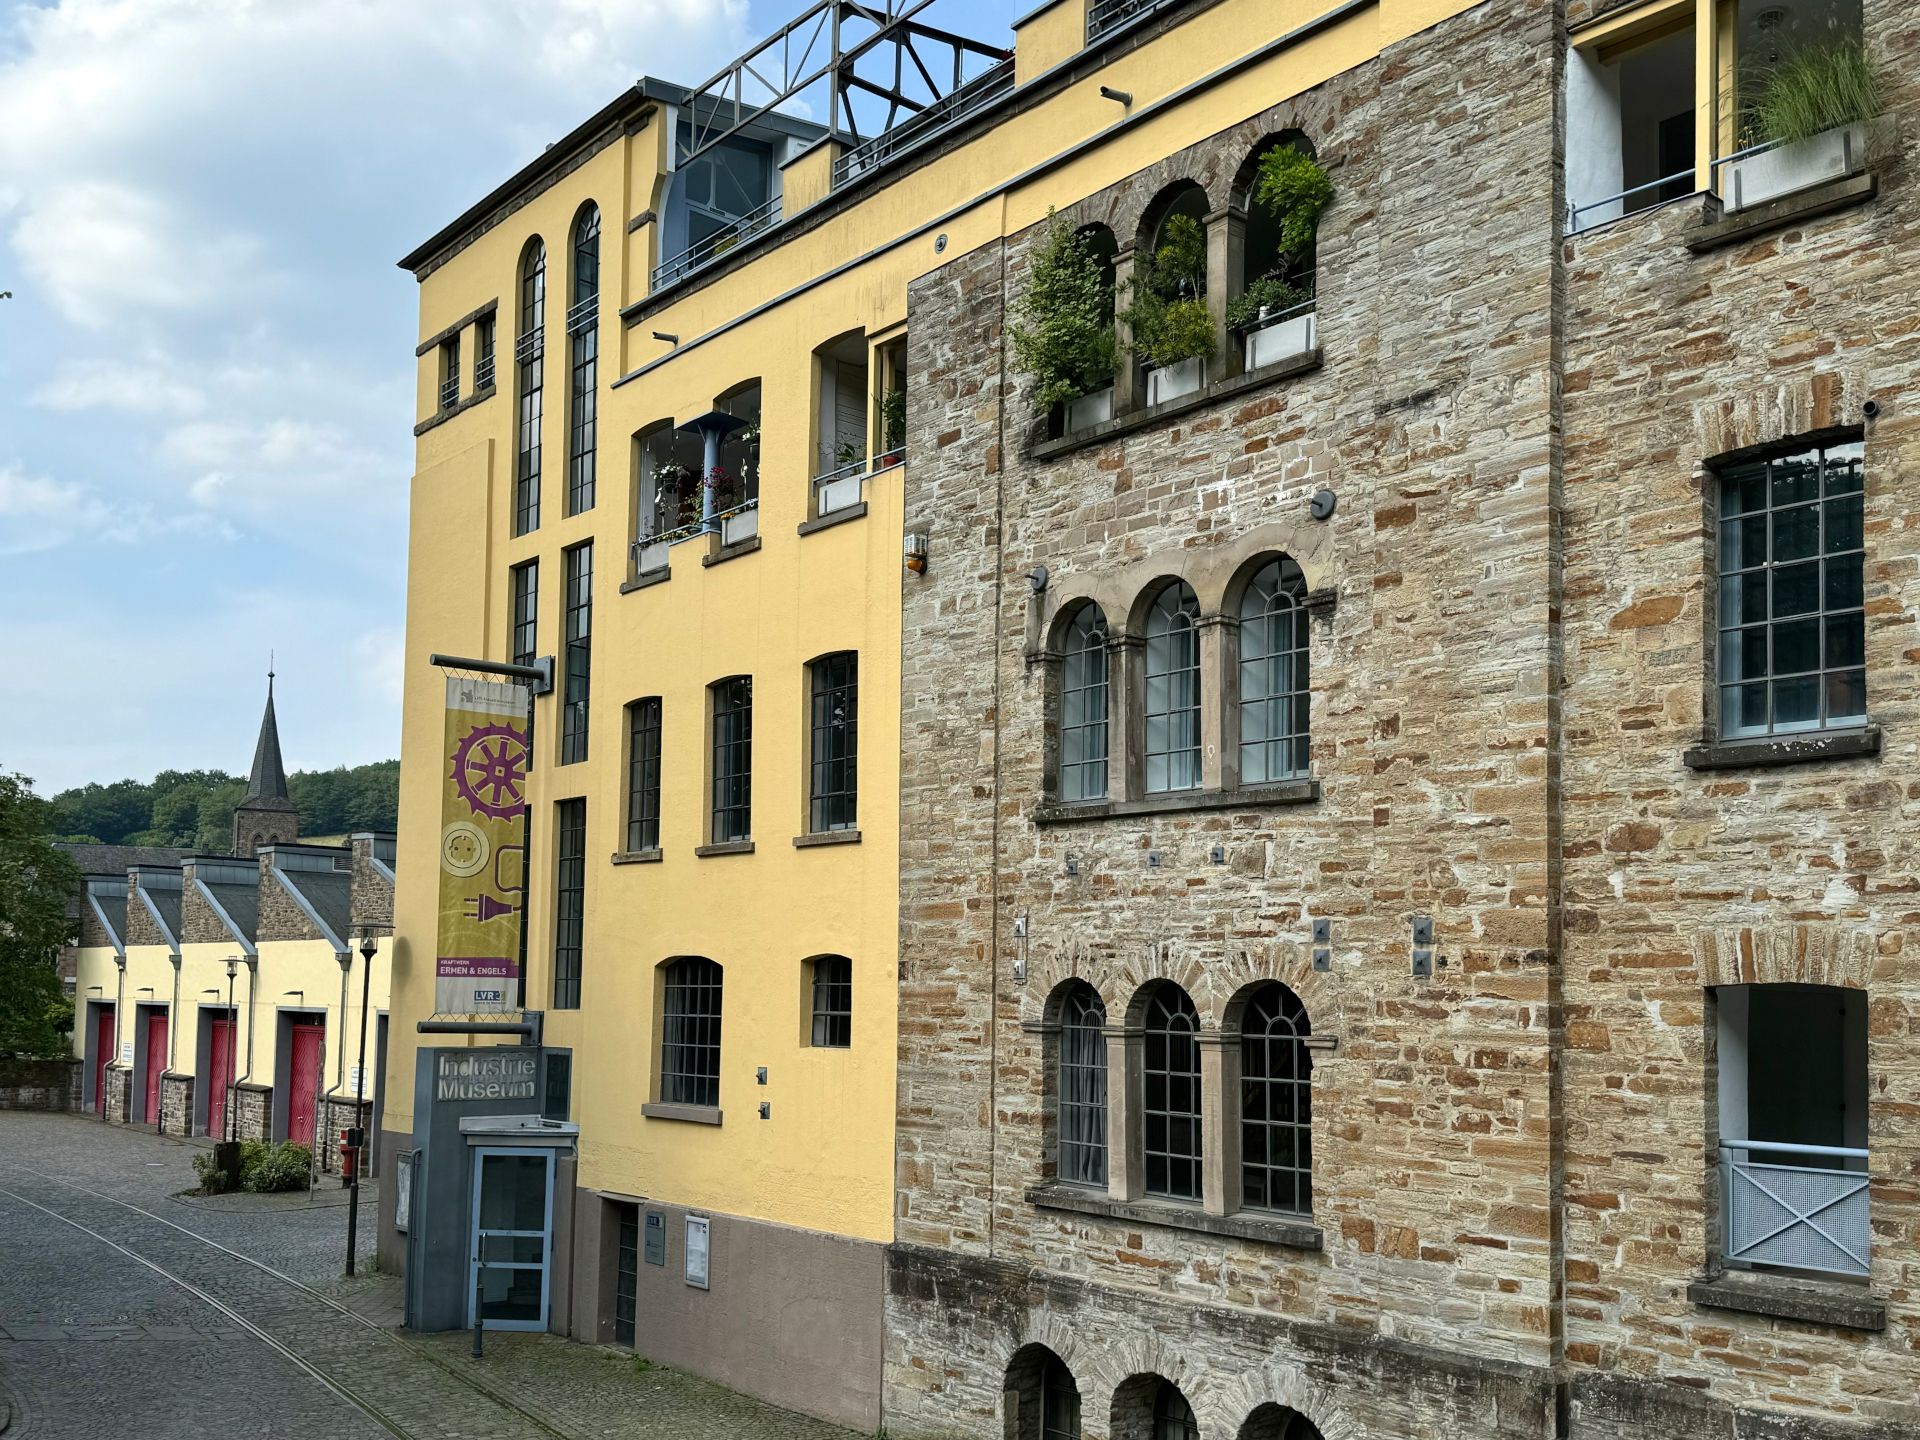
253,1112
40,1085
176,1104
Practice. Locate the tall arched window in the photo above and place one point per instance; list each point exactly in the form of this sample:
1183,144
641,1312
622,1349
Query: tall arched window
530,354
1084,707
1059,1402
1273,675
583,358
690,1032
1170,1109
1172,1415
1082,1090
1276,1103
1172,707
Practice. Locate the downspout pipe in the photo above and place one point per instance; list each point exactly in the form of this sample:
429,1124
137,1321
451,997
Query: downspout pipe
252,963
173,1040
345,959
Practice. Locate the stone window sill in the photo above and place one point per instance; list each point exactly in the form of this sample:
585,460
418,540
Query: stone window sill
1767,750
636,857
641,582
1288,792
725,847
686,1114
723,553
1832,1303
833,518
826,837
1295,1234
1717,230
1206,395
440,417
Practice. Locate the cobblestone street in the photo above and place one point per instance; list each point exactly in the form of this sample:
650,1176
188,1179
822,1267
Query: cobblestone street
120,1314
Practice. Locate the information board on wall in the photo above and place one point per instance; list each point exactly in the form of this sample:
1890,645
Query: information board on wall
483,847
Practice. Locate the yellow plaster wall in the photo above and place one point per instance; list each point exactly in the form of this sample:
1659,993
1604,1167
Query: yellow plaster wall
93,965
1046,36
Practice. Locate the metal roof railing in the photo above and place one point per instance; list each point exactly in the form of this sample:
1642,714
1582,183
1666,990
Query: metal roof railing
986,87
1106,16
703,252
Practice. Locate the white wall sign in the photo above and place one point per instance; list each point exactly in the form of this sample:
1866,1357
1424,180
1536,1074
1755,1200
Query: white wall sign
402,1189
697,1251
126,1052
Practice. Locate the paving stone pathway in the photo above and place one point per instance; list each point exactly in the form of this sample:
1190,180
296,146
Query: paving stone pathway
119,1317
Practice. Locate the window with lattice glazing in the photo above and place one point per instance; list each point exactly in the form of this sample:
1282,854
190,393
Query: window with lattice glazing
570,897
1172,682
583,360
1083,707
690,1033
835,733
643,774
732,760
832,1002
1170,1111
1273,675
578,672
526,612
529,356
1276,1103
1081,1109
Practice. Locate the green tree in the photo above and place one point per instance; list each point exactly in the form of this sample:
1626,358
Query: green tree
108,812
36,881
1063,320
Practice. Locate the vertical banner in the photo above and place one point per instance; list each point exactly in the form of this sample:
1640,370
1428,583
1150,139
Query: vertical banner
483,847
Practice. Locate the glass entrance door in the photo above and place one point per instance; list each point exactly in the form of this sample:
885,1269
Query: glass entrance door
512,1237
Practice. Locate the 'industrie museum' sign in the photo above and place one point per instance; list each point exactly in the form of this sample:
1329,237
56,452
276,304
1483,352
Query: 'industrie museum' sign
480,1076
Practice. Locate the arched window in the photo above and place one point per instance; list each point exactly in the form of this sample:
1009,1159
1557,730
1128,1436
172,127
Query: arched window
583,358
1172,702
1273,675
1043,1402
1172,1415
1276,1103
1059,1402
690,1032
530,353
1084,707
1277,1422
1173,236
1081,1157
1170,1109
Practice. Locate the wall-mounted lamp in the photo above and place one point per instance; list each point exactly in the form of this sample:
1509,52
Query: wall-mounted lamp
1119,97
301,993
144,990
916,551
1038,579
665,338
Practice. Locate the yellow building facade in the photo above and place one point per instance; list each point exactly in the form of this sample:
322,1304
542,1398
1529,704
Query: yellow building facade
582,328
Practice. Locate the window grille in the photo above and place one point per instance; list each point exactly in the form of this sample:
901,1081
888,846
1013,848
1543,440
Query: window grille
570,893
583,343
643,774
526,607
579,654
483,353
1082,1147
1172,1416
450,373
1083,708
835,768
1171,1069
1273,675
690,1036
1276,1104
833,1002
1173,691
1792,623
733,759
1059,1402
627,1285
529,356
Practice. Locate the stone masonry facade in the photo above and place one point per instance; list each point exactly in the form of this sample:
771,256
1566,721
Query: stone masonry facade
1514,1185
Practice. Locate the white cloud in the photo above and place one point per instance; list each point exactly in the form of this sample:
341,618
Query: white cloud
150,385
37,514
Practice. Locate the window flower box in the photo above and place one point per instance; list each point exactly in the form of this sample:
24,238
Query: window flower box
1785,169
741,524
652,555
1172,382
1090,410
1274,341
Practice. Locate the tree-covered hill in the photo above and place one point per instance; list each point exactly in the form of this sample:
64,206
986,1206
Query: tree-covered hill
193,809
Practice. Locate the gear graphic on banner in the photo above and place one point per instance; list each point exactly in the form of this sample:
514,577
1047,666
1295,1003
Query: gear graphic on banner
490,771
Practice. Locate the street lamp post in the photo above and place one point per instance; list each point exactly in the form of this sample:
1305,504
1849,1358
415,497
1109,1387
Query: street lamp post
369,947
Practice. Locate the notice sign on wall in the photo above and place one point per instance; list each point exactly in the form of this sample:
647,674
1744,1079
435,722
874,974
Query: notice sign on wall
483,847
483,1075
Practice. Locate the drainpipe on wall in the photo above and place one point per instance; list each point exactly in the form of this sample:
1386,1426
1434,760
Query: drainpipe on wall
173,1039
345,957
252,962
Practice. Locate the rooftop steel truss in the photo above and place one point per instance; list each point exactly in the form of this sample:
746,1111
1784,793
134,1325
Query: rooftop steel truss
869,48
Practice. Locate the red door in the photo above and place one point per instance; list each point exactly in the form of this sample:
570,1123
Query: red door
219,1075
103,1033
303,1076
156,1062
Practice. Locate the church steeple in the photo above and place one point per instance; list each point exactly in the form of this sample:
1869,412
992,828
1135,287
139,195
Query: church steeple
266,816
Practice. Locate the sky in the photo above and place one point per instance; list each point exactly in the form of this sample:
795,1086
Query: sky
206,365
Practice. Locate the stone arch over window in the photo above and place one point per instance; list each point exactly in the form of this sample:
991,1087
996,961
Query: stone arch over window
1184,200
1168,620
1275,1090
1270,673
1041,1399
1083,707
1078,1073
1261,248
1277,1422
1171,1121
1152,1407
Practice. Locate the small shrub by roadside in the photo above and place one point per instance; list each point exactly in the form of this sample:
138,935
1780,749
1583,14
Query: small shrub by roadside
264,1169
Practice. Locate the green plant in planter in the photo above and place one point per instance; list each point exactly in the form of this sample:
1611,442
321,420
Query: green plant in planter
1269,293
893,418
673,489
1292,187
1814,90
1167,309
1062,325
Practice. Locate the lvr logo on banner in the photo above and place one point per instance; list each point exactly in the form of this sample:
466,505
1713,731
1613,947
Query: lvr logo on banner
483,848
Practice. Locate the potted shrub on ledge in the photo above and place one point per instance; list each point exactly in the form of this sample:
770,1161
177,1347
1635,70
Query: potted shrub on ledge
1172,327
1274,315
1062,328
1810,109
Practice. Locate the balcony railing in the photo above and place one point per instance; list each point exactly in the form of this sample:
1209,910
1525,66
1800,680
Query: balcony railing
1106,16
483,373
1578,214
1793,1216
530,346
702,252
986,87
650,551
581,316
449,393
